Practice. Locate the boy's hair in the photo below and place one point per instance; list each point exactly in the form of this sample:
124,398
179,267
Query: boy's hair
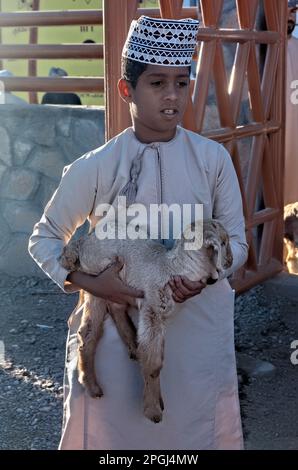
132,69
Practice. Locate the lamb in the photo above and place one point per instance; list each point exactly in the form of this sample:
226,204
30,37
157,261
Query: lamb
149,266
291,237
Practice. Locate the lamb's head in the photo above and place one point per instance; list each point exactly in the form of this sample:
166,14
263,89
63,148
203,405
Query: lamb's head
216,242
211,237
69,258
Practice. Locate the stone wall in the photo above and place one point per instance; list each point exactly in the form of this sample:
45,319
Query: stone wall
36,142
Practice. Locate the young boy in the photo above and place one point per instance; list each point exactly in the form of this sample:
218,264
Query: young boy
155,161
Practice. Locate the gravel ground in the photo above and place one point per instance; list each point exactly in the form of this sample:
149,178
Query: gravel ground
266,324
32,359
33,329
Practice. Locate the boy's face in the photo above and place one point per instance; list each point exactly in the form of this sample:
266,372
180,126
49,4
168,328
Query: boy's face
158,102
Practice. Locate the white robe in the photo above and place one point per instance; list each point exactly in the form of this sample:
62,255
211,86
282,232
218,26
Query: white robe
291,128
198,378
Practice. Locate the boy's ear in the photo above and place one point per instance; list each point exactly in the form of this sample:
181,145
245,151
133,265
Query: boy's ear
124,90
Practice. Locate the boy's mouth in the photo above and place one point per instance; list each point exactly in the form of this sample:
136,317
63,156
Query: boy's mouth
169,112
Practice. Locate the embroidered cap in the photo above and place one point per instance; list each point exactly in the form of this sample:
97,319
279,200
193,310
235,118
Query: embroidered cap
159,41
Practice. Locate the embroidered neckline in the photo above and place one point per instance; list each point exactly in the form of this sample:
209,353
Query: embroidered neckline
162,143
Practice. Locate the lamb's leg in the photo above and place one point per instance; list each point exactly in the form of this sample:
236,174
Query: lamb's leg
151,332
90,330
125,327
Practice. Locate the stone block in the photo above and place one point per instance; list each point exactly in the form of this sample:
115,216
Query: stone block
4,232
46,191
19,184
15,259
21,216
48,162
86,136
22,150
70,152
5,151
3,169
63,125
39,126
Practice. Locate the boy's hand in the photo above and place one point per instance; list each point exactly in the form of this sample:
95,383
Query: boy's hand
184,289
109,286
106,285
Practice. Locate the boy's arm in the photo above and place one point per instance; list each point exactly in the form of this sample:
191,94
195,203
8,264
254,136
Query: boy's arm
68,208
106,285
228,210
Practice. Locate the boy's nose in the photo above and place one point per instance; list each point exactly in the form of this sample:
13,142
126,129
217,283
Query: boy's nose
171,92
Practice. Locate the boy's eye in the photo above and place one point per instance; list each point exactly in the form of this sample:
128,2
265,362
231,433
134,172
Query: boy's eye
181,84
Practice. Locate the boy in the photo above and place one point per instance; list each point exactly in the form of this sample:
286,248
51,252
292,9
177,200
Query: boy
155,161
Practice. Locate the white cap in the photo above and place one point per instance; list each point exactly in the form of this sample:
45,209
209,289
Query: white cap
159,41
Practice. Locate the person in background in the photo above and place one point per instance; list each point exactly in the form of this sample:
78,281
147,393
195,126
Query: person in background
60,97
5,96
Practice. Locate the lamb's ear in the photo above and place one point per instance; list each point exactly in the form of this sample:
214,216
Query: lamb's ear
214,251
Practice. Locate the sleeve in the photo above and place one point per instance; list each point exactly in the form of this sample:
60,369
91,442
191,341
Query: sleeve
228,210
68,208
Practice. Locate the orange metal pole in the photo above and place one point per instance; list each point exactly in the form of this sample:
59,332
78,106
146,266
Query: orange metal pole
118,13
32,65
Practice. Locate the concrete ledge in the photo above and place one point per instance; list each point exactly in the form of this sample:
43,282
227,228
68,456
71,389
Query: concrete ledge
37,141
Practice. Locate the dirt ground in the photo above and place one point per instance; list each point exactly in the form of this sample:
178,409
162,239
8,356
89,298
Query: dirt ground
266,325
33,316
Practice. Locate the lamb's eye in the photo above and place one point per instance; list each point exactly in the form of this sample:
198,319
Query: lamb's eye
223,243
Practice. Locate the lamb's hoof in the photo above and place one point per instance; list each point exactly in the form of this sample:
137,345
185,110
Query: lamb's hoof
161,403
94,390
133,354
154,413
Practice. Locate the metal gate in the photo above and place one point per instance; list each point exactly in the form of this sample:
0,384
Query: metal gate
247,104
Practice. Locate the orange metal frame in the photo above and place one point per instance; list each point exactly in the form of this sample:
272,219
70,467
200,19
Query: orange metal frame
34,51
266,128
264,158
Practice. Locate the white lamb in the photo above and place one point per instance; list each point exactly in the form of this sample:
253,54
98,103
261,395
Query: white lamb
148,266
